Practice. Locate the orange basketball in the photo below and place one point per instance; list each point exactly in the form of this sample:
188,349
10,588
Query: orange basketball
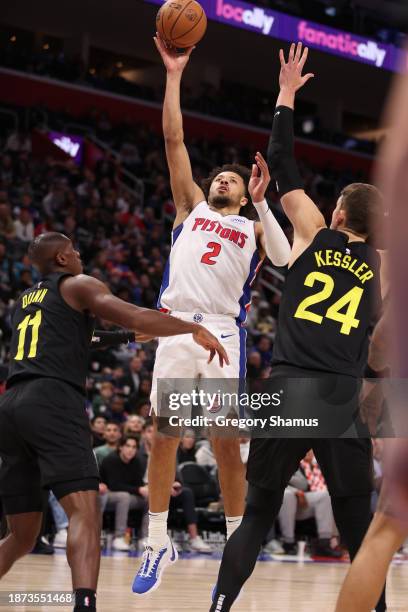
181,23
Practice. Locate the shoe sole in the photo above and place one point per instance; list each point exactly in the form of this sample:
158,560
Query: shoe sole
158,581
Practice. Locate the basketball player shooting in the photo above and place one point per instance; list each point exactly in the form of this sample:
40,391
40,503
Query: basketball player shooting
216,251
331,295
45,437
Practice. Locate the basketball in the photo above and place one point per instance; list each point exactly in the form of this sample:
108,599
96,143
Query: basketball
181,23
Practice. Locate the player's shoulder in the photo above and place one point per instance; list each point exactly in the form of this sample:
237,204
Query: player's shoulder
80,280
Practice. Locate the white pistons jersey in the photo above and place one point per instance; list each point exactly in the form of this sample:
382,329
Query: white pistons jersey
212,263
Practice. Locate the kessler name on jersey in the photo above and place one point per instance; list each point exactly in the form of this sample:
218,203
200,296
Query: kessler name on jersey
330,257
209,225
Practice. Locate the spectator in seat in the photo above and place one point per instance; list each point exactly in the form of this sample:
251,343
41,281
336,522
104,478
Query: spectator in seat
134,425
187,450
146,444
252,316
265,349
117,409
112,436
205,457
305,497
122,489
145,389
98,426
183,497
101,401
7,229
135,374
24,226
266,324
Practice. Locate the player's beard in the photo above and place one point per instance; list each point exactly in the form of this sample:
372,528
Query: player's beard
221,201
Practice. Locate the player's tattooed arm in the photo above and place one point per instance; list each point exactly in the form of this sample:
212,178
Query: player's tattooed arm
186,193
85,293
299,208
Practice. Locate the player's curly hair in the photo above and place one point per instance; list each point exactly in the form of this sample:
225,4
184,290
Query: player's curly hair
246,211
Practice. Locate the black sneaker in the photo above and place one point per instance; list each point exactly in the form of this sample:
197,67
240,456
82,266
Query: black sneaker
290,548
42,548
322,548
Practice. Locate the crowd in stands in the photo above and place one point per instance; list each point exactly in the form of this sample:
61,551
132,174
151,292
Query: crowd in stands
125,242
229,100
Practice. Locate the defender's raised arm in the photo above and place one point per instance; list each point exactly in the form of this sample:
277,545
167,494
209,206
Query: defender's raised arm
300,209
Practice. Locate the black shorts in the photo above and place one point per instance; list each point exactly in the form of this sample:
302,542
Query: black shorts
347,463
45,441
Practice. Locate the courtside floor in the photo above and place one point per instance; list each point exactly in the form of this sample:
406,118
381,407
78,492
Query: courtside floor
275,585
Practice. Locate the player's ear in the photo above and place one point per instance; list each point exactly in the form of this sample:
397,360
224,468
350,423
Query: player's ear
341,219
61,259
243,201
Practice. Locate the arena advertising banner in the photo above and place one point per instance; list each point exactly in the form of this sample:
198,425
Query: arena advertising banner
317,36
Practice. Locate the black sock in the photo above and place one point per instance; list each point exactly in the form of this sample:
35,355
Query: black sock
85,600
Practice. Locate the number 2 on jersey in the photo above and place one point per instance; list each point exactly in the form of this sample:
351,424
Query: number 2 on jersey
209,257
34,322
351,299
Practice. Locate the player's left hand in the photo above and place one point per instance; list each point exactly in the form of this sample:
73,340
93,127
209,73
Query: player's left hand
260,179
205,339
291,77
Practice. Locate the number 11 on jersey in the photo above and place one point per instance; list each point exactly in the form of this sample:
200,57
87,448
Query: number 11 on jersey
35,322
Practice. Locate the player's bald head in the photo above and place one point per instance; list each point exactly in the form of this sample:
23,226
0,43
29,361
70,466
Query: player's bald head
50,252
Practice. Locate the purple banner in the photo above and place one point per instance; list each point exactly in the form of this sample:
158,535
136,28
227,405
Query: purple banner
72,145
316,36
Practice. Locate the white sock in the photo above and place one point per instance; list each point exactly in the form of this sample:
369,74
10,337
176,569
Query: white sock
233,522
157,537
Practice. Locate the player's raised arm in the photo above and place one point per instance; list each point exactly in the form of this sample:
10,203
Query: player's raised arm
86,293
300,209
186,193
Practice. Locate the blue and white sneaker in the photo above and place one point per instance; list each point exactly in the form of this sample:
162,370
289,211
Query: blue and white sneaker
148,577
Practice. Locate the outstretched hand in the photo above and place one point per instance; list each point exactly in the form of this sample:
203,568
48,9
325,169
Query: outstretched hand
291,77
260,179
205,339
174,62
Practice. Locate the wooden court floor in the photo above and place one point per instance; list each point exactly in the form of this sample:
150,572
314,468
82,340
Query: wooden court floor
287,587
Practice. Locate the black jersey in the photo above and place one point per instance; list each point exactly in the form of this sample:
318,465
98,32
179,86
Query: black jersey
49,338
331,295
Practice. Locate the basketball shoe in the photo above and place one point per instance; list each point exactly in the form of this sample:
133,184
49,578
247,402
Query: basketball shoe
148,577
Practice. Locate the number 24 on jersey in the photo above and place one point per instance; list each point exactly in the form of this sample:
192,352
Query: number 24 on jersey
351,300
